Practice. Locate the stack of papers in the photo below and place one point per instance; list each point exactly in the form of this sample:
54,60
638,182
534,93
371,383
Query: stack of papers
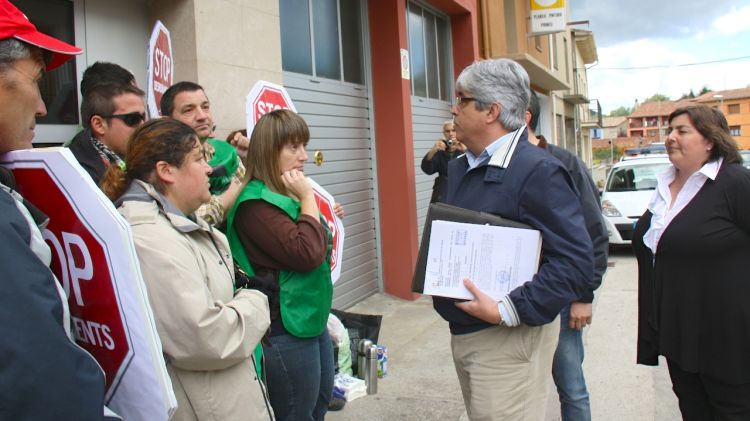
497,254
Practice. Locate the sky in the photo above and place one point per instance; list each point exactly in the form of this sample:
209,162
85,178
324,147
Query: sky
669,34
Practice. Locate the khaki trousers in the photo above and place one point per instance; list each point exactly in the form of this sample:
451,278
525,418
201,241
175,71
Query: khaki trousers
504,372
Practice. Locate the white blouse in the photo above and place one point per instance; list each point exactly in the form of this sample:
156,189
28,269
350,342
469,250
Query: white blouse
659,204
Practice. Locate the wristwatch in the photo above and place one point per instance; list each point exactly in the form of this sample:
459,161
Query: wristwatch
502,322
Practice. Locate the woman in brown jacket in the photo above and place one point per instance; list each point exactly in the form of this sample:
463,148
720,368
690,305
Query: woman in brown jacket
276,233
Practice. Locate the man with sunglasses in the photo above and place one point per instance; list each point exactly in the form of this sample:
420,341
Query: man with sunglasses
110,113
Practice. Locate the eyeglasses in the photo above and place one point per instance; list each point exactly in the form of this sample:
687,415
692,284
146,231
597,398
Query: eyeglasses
462,99
130,119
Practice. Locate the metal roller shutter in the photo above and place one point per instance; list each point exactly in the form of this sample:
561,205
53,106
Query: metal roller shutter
339,118
427,125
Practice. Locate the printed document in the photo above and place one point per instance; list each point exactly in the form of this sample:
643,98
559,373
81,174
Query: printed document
497,259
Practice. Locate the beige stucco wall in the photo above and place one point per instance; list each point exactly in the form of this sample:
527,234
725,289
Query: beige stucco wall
225,46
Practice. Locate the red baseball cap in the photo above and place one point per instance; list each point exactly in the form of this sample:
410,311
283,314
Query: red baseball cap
14,24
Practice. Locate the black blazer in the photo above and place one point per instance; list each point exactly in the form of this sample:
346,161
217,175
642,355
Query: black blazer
693,298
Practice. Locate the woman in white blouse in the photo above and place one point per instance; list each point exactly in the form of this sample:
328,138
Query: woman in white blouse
693,248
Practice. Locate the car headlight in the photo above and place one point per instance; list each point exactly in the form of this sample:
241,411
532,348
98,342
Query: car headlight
608,209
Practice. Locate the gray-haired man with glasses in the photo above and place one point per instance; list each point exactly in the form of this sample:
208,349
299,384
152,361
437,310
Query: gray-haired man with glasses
503,350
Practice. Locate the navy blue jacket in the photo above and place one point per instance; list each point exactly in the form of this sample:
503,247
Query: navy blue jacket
592,212
536,189
43,374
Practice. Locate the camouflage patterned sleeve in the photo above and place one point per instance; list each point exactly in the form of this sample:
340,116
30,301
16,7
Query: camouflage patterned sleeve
212,211
239,174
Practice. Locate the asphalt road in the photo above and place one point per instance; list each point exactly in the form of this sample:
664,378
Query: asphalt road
619,388
422,384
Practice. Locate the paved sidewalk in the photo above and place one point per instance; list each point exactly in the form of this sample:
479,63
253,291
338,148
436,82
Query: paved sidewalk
422,383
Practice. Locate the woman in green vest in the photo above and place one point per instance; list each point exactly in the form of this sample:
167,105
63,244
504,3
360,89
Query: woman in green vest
276,232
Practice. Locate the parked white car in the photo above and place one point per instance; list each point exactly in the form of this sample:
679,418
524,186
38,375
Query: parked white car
630,185
745,155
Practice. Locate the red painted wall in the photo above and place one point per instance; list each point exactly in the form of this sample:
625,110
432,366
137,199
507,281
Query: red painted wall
393,129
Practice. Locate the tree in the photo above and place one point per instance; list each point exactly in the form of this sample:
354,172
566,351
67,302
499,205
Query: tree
705,89
689,95
621,112
657,97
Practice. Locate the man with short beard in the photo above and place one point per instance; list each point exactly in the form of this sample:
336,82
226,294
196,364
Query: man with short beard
188,103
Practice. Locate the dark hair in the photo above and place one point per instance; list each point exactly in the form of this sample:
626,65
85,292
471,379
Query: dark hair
243,132
534,110
105,72
161,139
712,124
273,132
166,105
100,100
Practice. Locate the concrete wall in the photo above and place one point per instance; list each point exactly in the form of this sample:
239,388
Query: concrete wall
225,46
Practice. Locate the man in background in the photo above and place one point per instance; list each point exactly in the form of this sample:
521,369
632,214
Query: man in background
86,146
567,370
110,113
188,103
436,159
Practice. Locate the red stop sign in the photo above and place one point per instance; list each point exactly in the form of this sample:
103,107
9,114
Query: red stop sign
79,260
268,100
264,98
160,66
326,209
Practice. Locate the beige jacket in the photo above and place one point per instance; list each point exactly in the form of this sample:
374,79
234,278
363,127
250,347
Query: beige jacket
207,332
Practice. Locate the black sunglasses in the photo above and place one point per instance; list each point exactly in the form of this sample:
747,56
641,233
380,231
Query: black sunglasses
130,119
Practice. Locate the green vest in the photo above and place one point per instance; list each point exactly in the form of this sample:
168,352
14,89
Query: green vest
304,298
225,155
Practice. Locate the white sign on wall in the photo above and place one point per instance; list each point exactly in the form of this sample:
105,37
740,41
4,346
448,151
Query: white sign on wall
405,74
547,16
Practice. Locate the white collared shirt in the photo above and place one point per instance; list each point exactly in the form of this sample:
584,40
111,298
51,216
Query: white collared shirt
662,215
499,153
503,147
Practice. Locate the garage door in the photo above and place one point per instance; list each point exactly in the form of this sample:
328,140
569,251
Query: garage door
428,117
339,118
431,89
324,57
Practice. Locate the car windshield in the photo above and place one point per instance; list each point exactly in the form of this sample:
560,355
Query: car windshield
635,177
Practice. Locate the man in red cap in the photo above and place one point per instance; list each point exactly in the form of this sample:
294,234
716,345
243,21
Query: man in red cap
44,375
